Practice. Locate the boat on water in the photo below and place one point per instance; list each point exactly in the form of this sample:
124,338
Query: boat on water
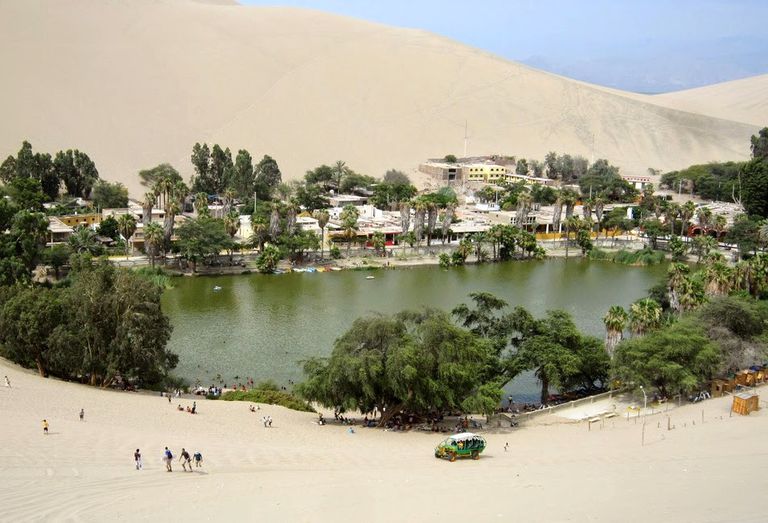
369,277
335,268
216,288
311,269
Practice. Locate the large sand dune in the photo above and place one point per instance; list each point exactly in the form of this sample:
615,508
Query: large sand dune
137,83
743,100
299,471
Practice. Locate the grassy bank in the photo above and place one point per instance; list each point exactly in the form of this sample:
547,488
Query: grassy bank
640,257
271,397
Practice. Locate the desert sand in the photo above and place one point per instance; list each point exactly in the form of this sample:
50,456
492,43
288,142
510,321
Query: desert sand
744,100
556,470
138,83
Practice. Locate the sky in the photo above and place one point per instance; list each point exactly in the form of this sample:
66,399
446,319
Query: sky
647,46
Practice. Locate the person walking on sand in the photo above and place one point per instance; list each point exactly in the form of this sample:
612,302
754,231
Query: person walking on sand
7,382
137,459
198,459
168,457
45,426
82,414
185,460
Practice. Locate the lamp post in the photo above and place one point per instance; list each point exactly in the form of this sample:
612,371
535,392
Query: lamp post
645,399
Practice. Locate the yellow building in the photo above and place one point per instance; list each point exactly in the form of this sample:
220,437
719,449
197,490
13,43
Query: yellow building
77,220
483,172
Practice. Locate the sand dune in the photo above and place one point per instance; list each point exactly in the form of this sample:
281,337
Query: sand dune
299,471
743,100
137,83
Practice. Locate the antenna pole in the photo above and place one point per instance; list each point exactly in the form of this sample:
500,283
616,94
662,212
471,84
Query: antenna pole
466,138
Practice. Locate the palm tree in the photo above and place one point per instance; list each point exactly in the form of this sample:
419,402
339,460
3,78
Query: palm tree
201,205
339,170
671,212
126,224
291,211
83,239
686,213
431,221
762,233
405,217
450,210
232,223
703,244
348,218
524,201
691,293
378,240
420,211
557,213
570,223
153,241
718,279
615,322
676,276
228,198
322,218
586,208
599,203
260,229
569,199
720,222
644,316
274,221
146,207
704,216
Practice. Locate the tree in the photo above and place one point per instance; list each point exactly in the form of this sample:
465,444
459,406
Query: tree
416,362
244,180
22,243
677,247
644,316
348,219
311,197
27,324
268,177
653,228
555,350
759,145
744,233
201,205
83,240
675,359
449,158
153,241
109,195
115,327
27,194
395,177
754,189
615,322
231,223
77,171
201,238
126,224
164,172
703,244
268,259
521,167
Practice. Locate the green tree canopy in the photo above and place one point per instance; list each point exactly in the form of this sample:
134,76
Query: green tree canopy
108,195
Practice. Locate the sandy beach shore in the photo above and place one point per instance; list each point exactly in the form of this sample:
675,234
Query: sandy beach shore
556,470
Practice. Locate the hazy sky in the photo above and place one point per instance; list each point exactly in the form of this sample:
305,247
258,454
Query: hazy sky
642,45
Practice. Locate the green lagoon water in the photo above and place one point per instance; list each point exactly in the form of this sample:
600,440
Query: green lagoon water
262,326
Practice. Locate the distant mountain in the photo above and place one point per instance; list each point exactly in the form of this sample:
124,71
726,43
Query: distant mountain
138,83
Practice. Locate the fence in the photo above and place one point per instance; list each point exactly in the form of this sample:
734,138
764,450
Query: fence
498,419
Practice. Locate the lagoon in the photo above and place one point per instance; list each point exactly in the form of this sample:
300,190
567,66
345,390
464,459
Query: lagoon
262,326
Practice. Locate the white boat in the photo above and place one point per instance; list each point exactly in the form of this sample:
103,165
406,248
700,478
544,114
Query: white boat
369,277
217,288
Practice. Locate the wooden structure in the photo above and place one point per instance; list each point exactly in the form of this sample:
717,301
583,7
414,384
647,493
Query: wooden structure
721,387
744,403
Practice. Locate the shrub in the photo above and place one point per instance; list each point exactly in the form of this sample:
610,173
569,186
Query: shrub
271,397
335,252
445,260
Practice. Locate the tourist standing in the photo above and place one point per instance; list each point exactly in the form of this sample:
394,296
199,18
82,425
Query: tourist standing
45,426
7,382
198,459
82,414
137,459
168,457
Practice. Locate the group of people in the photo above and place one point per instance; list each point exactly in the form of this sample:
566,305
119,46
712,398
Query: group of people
191,410
267,421
184,458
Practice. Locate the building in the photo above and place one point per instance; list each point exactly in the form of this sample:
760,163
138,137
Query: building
442,171
58,231
483,172
80,220
342,200
638,182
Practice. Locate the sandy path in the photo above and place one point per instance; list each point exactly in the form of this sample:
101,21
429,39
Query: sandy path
298,471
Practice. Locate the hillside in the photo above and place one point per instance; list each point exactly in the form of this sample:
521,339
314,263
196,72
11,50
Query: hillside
744,100
135,84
